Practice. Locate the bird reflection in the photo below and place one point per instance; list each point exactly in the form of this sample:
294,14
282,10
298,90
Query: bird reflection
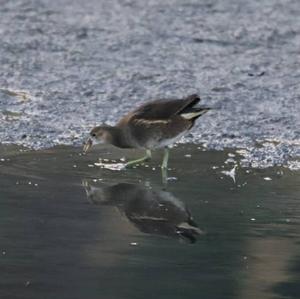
151,211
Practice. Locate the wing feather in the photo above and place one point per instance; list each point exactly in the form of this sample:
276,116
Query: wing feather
164,109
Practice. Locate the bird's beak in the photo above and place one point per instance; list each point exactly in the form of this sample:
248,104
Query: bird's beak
88,144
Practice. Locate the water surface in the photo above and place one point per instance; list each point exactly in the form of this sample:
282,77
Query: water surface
70,229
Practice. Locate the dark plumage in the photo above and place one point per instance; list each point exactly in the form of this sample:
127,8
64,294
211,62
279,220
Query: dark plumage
151,211
153,125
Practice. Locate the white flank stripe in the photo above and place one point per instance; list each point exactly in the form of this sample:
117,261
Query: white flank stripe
191,114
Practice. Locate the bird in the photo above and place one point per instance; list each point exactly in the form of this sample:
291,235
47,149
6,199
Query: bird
150,210
153,125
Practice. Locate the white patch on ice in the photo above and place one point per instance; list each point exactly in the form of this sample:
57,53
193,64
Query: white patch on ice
111,166
231,173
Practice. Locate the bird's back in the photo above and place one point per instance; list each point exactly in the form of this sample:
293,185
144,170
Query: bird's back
161,108
158,123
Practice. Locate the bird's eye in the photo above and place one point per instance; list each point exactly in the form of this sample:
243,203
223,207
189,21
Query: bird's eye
93,134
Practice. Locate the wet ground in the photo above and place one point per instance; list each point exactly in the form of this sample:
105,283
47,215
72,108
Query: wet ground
72,229
80,63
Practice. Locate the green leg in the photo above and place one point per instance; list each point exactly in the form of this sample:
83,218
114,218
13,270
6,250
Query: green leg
164,164
143,159
164,167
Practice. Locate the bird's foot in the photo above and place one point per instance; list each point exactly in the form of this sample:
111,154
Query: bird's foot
130,164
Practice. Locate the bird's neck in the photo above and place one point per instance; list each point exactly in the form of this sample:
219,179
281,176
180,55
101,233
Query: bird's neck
118,138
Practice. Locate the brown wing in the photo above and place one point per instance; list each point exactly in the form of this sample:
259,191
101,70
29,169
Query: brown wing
161,109
148,131
158,120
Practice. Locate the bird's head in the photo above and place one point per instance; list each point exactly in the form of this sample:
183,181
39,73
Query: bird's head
99,135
